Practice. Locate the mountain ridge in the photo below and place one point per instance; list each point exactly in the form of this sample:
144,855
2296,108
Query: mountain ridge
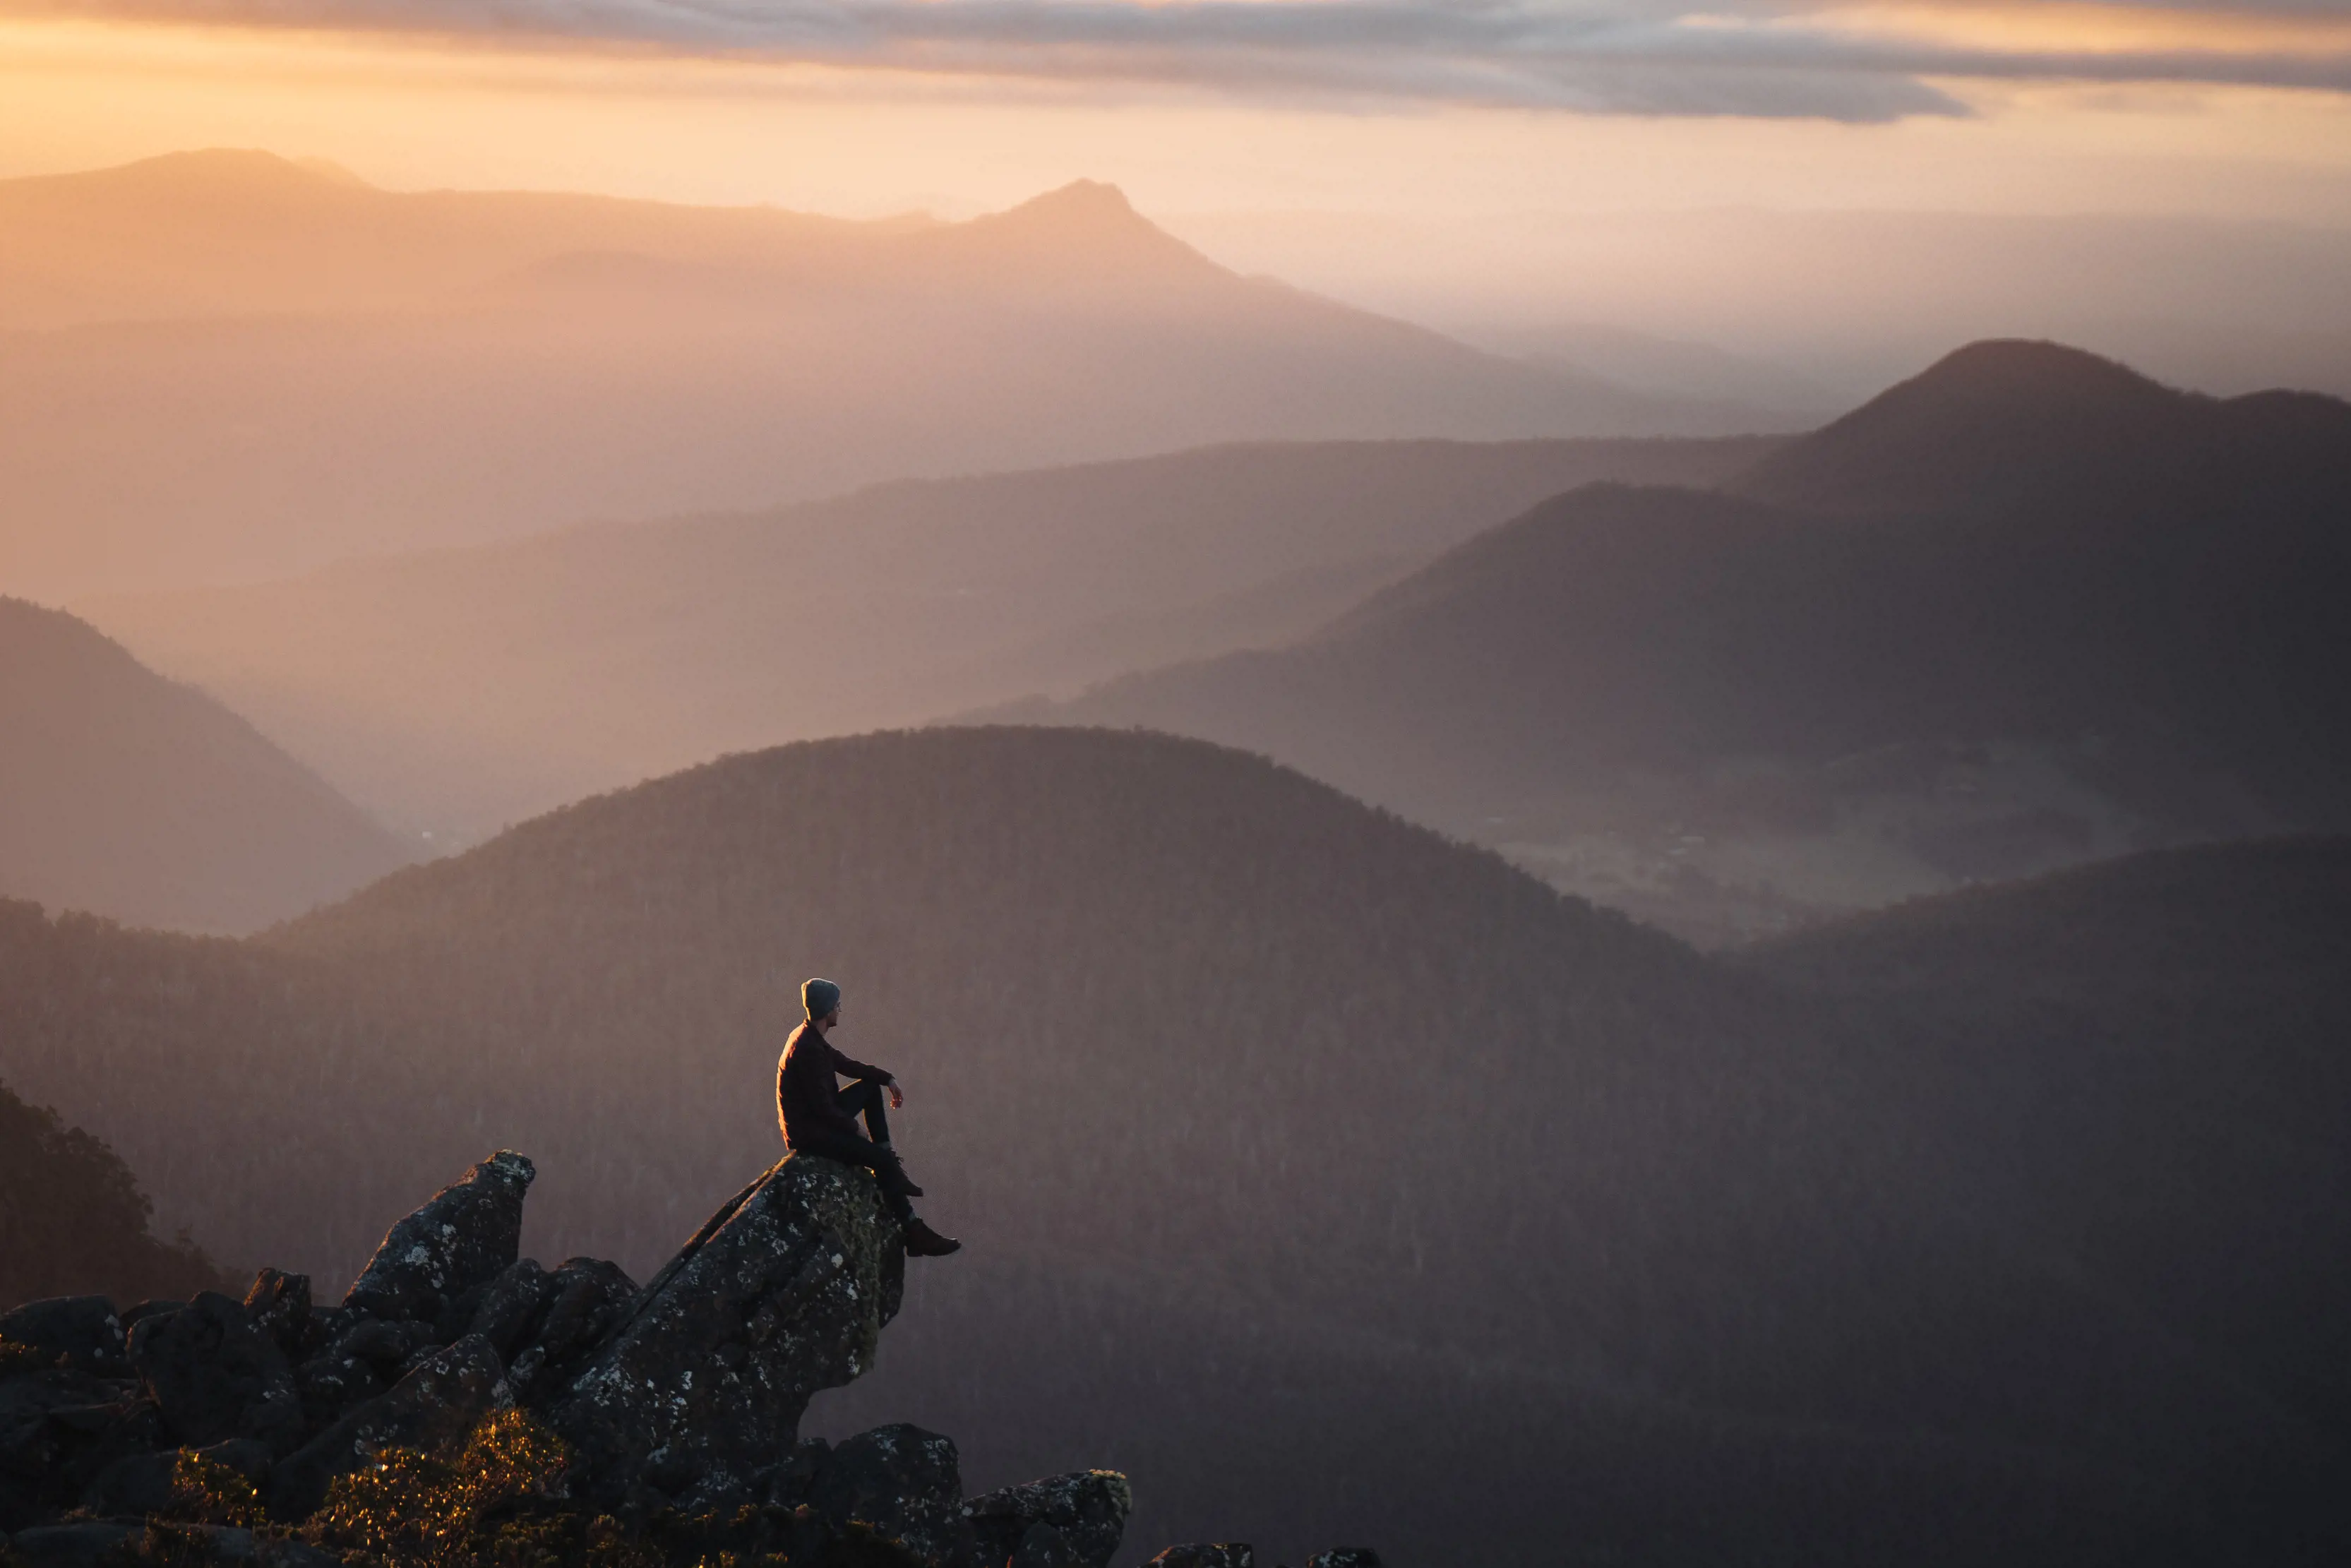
665,643
1953,634
131,796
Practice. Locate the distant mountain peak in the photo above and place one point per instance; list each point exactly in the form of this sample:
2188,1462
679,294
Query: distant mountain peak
238,166
1080,199
2021,369
1090,223
1986,427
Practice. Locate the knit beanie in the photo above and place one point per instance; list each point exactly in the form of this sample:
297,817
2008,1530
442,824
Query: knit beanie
820,996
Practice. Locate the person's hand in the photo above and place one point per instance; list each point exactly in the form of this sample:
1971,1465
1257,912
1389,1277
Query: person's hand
897,1095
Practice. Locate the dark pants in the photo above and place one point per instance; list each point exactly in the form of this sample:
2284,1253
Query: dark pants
869,1099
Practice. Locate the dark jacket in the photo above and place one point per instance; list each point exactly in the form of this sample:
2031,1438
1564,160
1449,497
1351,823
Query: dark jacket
808,1099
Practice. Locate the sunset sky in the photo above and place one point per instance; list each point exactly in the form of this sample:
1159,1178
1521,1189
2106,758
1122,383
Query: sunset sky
1770,176
1359,105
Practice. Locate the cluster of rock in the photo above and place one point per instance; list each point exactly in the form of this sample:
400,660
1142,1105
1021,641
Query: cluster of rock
680,1399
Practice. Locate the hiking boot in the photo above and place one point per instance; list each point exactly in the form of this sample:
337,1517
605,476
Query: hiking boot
921,1241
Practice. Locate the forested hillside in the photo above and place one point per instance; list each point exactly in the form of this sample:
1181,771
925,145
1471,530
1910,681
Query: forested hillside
74,1222
2153,1050
2023,611
1277,1129
128,795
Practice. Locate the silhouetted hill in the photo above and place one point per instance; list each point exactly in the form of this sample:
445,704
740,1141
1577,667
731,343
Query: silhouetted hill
466,690
2041,434
74,1223
125,794
2151,1047
2024,609
1340,1180
243,368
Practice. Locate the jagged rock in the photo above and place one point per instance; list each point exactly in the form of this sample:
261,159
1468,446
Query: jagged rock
81,1329
468,1234
903,1485
589,1298
1345,1557
279,1306
1087,1509
512,1306
91,1438
331,1384
214,1375
437,1403
383,1345
31,1446
1207,1554
781,1293
134,1484
1042,1546
132,1316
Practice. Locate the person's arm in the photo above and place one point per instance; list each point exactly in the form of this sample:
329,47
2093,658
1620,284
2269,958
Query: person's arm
847,1069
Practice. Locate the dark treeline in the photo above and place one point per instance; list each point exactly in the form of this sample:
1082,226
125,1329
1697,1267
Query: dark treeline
1335,1180
2147,1057
74,1221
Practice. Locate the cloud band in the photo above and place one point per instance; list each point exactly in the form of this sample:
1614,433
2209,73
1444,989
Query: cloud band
1746,57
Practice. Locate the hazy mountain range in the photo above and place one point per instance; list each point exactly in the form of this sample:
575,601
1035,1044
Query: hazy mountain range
133,797
2024,609
224,365
1334,1178
456,691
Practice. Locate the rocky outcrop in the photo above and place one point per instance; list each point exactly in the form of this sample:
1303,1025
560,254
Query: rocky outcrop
79,1332
1078,1519
59,1428
437,1402
466,1237
214,1374
695,1398
680,1402
901,1485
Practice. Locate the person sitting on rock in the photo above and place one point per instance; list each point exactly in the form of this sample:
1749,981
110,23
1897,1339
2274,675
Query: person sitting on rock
820,1117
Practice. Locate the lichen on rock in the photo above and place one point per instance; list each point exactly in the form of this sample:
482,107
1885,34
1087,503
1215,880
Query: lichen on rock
782,1293
468,1235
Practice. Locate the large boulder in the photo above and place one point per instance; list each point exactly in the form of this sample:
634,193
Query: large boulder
468,1235
215,1374
81,1331
1085,1510
696,1397
437,1402
587,1298
55,1424
512,1306
902,1485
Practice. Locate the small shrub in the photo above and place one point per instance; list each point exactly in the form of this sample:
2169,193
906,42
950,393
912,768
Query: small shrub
17,1357
204,1491
489,1504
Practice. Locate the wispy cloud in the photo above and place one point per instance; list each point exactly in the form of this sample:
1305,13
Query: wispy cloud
1774,58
